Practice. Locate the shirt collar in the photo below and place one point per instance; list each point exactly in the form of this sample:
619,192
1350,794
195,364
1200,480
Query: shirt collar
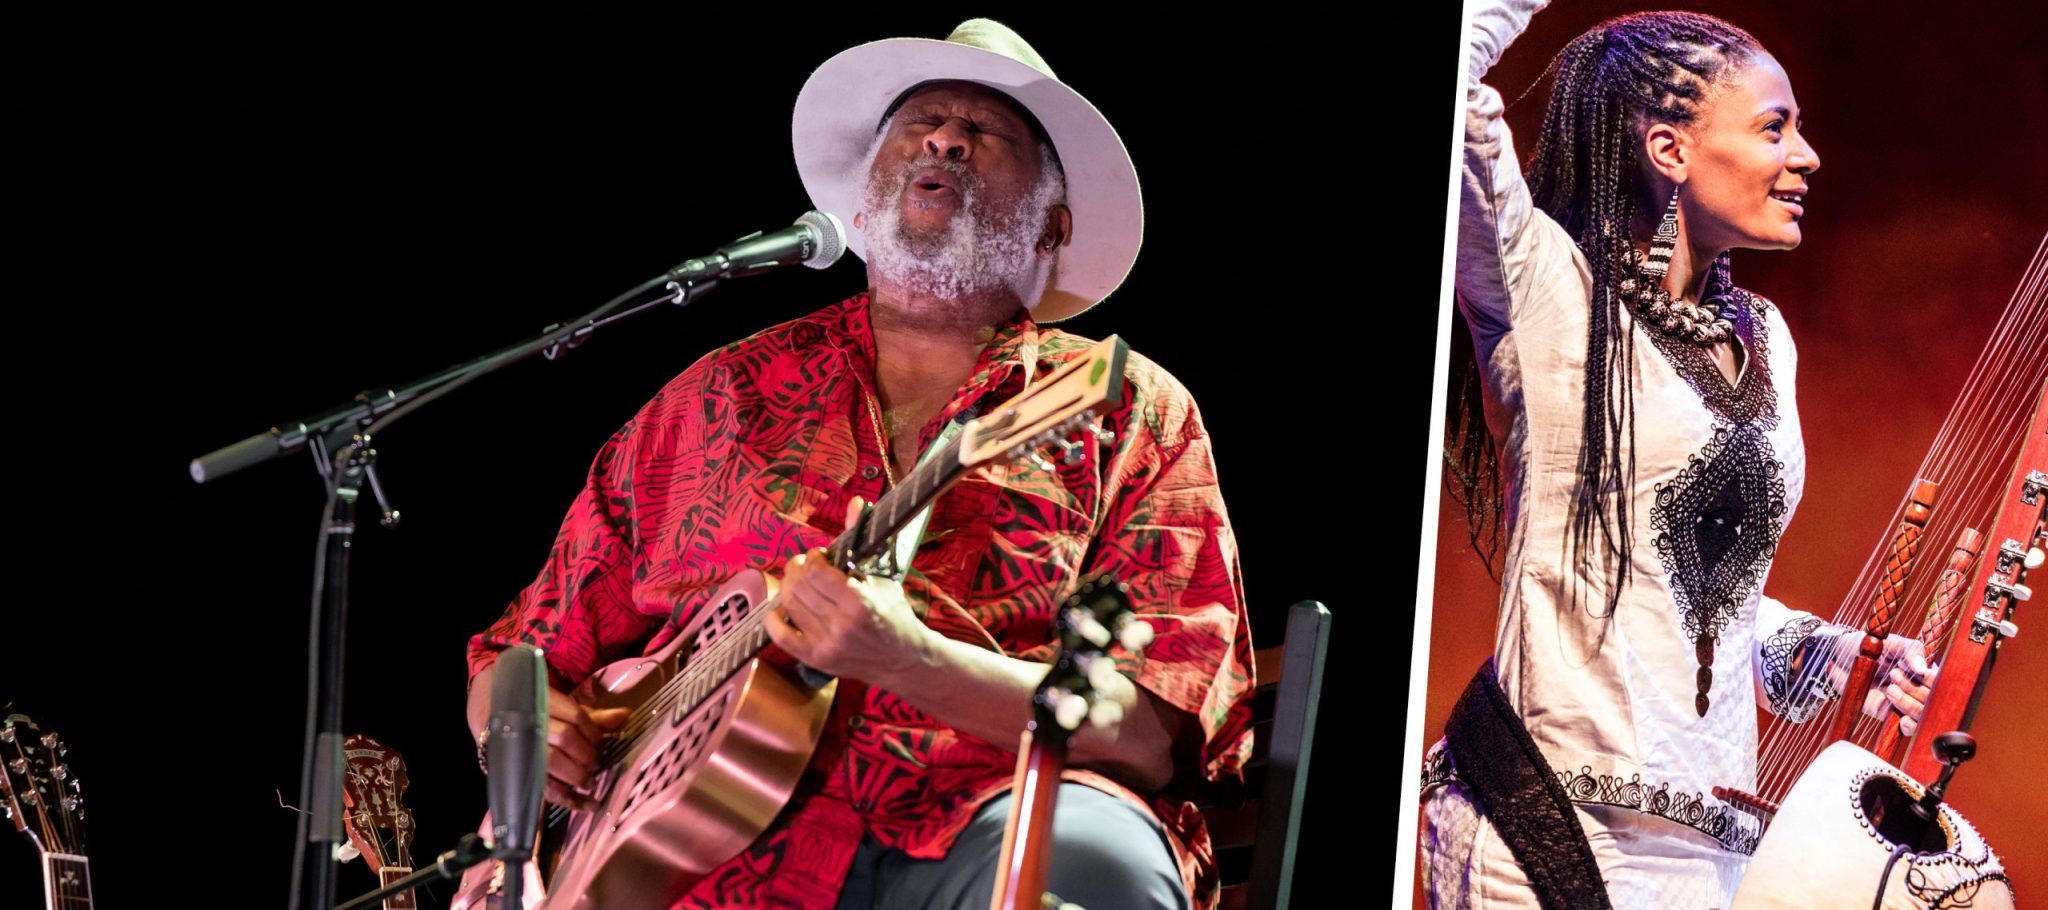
1013,348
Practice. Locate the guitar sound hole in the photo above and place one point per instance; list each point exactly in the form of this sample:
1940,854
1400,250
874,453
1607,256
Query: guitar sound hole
1890,810
723,618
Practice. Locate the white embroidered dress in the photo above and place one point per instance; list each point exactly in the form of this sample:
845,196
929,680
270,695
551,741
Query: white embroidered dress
1637,727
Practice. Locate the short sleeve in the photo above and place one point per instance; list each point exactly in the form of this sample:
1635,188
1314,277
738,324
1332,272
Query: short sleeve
1168,539
579,610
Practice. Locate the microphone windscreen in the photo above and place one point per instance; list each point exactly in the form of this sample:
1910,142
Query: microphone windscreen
831,238
517,751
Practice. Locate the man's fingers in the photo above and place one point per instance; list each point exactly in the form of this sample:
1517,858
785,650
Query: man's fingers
610,718
562,795
565,708
786,637
564,746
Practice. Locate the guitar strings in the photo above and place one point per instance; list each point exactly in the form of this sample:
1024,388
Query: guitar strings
708,670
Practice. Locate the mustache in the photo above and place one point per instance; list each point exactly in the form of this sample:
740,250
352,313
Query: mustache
970,183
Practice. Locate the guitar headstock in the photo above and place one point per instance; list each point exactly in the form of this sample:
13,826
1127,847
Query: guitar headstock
1057,407
1096,615
39,793
379,826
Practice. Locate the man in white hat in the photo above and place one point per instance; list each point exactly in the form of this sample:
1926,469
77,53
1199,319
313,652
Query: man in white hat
987,199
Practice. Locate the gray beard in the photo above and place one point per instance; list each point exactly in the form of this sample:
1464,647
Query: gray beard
979,256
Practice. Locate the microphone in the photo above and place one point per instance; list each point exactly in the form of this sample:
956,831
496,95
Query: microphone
816,240
517,751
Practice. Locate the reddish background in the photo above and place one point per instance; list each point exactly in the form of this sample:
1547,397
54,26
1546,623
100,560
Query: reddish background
1929,203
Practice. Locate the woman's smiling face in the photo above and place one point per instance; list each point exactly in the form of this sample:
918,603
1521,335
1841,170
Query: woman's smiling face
1745,180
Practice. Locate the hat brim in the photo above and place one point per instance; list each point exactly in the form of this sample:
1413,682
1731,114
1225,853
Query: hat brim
840,106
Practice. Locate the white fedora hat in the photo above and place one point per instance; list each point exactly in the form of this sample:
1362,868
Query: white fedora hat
840,109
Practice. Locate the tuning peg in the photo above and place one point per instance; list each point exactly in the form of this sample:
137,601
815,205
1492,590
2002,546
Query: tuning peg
1091,629
7,733
1039,461
1071,451
346,852
1106,437
19,766
1135,634
1070,710
2018,592
2034,558
1101,672
60,771
1105,714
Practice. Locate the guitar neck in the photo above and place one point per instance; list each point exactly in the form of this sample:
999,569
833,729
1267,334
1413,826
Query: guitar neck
896,507
67,883
390,874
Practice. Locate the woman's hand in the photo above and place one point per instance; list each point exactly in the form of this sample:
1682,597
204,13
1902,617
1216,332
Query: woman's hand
1903,682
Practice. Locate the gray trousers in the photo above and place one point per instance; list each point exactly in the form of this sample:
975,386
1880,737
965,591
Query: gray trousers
1106,855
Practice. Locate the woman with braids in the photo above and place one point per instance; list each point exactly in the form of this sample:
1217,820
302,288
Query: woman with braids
1640,418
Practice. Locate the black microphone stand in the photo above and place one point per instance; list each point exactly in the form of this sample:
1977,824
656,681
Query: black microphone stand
468,852
355,426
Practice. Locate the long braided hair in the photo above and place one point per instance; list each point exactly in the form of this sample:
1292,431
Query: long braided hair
1587,174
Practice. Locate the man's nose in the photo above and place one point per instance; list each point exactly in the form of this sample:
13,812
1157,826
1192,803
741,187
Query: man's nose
951,139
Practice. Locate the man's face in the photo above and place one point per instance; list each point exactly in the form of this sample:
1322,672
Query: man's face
957,193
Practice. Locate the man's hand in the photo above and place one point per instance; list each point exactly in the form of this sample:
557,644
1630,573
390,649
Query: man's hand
863,630
576,735
866,630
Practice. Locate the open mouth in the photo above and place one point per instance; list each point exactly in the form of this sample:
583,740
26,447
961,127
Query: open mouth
933,181
1794,201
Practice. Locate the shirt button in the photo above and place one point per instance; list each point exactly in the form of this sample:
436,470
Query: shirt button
854,722
870,471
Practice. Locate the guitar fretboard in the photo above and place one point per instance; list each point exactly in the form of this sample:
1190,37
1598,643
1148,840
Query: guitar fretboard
404,900
66,882
710,669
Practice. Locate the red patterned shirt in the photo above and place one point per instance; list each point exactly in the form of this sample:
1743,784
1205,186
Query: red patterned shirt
750,457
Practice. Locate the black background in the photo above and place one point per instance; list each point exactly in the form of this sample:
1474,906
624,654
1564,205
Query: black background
221,220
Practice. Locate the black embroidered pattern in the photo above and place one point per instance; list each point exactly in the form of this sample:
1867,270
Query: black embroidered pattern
1777,654
1717,527
1754,399
1437,768
1958,895
1734,830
